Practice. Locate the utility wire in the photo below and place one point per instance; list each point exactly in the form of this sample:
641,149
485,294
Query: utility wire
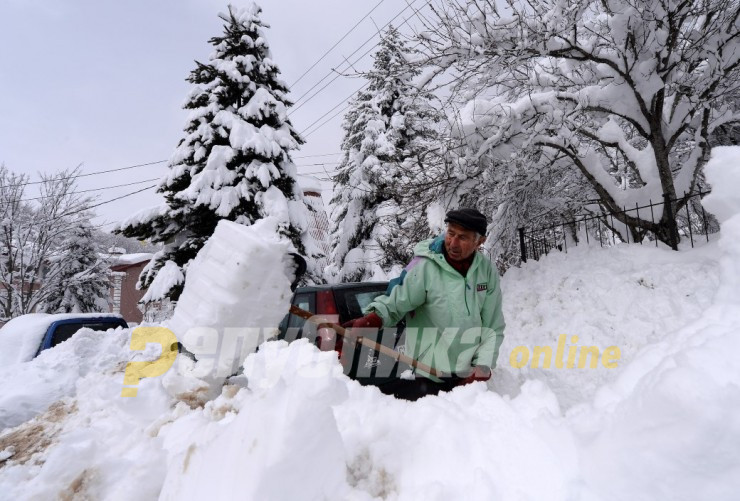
347,62
97,173
341,110
88,207
320,163
340,103
296,108
337,43
93,189
321,155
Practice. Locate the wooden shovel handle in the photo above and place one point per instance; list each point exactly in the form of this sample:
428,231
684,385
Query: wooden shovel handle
364,341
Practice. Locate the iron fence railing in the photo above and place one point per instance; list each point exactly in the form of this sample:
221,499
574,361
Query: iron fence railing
608,229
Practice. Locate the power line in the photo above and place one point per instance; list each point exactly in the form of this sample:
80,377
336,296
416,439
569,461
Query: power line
296,108
327,120
320,163
320,155
333,108
337,43
88,207
96,173
93,189
349,64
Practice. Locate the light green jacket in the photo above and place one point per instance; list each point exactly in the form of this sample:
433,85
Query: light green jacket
452,322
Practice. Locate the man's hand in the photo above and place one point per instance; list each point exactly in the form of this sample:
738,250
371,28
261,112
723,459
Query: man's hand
479,373
369,320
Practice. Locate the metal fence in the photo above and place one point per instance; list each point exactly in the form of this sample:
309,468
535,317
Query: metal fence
692,223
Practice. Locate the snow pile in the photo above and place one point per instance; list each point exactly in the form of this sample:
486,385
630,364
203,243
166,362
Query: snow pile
235,294
90,443
262,442
668,428
129,259
627,296
31,387
301,430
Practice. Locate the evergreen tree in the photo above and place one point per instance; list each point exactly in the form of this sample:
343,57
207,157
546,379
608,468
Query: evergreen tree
389,134
233,162
80,282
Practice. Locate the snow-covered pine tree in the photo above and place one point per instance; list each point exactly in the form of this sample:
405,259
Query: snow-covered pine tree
389,132
80,281
233,162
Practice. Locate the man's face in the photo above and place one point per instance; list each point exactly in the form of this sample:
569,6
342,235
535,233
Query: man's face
461,243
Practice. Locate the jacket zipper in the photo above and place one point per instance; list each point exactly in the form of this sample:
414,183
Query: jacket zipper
465,293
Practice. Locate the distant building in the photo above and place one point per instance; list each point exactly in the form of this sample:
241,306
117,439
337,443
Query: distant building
318,221
125,271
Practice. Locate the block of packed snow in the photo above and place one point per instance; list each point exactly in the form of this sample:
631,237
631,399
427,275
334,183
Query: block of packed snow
236,292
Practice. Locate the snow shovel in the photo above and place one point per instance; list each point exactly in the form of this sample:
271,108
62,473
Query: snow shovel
347,333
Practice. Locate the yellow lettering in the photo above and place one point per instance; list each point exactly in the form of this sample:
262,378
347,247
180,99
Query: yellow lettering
514,357
572,353
585,350
546,351
559,352
611,355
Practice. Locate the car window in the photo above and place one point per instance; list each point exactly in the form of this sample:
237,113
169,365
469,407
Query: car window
303,301
352,302
63,332
365,298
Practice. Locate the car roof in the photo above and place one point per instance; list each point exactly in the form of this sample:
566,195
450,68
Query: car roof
346,285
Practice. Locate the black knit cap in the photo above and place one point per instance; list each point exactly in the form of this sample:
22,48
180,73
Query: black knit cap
470,219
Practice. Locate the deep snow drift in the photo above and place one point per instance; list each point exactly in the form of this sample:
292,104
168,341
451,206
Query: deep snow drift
663,424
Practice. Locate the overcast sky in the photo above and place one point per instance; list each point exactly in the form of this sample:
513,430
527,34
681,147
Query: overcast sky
102,83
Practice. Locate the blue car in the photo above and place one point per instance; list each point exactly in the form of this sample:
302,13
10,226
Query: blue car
24,337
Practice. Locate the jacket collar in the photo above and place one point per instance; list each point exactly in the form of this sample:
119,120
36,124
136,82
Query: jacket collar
434,250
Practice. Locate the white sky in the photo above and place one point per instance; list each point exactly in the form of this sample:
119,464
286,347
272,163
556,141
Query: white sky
102,82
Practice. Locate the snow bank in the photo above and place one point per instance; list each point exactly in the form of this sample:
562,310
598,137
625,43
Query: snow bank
278,439
302,430
31,387
669,427
88,442
236,292
628,296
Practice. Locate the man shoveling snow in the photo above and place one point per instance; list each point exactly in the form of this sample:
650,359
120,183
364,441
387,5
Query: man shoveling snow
451,299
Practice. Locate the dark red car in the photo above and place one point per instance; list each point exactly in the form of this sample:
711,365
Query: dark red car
343,302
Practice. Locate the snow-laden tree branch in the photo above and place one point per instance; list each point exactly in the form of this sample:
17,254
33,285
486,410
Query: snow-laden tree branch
629,90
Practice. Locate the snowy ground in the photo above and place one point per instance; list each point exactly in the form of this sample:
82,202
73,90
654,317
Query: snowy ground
663,424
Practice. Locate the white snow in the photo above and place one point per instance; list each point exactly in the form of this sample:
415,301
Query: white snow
663,424
134,258
169,275
310,183
236,292
29,388
723,169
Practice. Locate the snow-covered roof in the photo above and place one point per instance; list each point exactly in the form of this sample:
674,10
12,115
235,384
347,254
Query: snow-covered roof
309,183
21,337
125,259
